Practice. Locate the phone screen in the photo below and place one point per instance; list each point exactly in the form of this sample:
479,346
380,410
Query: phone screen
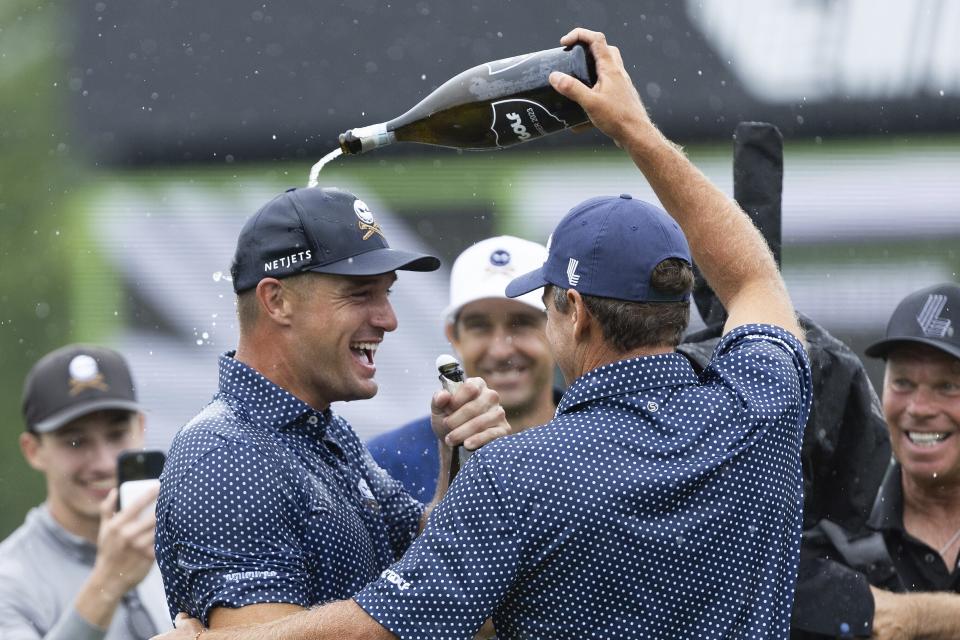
137,473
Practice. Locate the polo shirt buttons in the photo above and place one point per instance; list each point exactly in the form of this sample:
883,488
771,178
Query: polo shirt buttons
312,420
929,558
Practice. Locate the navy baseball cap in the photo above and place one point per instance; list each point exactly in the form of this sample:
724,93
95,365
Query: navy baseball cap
930,316
322,230
73,381
609,247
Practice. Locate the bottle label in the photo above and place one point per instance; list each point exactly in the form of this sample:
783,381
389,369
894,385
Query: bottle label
521,120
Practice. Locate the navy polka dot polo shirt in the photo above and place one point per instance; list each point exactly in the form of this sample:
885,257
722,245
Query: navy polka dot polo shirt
656,504
264,499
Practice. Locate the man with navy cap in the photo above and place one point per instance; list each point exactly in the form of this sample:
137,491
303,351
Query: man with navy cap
269,502
901,580
78,569
658,503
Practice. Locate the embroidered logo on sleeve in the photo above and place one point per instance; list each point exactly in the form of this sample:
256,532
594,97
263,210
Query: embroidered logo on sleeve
394,578
249,575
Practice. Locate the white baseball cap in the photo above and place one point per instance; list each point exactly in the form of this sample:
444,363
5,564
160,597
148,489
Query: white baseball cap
485,269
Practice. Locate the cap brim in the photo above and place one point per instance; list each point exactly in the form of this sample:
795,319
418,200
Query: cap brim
526,283
57,420
881,348
379,261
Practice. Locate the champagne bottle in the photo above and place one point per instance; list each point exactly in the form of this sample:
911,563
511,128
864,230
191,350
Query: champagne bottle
496,104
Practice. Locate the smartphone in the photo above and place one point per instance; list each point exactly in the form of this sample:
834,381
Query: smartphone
137,472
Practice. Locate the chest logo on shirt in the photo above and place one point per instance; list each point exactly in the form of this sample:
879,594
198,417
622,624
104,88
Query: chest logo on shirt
652,406
394,578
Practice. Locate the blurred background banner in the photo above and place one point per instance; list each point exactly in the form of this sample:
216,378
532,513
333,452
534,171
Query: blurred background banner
137,136
170,81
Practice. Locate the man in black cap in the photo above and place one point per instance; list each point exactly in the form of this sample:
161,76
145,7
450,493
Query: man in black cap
78,569
901,580
269,501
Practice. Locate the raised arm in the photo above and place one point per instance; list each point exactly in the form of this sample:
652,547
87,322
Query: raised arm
726,246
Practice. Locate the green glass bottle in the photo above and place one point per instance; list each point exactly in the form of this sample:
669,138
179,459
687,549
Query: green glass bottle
492,105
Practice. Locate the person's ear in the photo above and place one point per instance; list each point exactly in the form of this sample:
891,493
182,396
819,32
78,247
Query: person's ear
30,446
274,300
579,315
450,330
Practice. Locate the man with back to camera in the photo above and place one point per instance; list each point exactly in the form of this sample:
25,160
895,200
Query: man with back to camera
269,502
78,569
901,580
657,504
498,339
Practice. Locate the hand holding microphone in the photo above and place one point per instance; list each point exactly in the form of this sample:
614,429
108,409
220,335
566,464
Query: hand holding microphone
451,379
473,414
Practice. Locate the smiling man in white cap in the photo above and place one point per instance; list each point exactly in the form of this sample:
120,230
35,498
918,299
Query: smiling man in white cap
77,568
497,338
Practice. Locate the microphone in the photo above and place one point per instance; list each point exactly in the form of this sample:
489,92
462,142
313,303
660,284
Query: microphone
451,377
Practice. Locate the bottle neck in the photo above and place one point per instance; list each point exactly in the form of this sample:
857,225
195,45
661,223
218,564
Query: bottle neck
363,139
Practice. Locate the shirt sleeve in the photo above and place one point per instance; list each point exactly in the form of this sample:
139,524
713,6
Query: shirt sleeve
769,371
71,626
401,511
18,621
232,527
456,572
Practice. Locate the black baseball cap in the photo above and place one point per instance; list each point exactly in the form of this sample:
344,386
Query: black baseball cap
314,229
930,316
73,381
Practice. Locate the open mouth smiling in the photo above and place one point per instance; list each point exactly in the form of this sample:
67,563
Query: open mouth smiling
364,350
927,438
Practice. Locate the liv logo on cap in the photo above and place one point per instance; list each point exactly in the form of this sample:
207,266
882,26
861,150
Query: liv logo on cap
929,316
929,319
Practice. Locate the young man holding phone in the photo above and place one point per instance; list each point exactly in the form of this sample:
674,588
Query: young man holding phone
78,568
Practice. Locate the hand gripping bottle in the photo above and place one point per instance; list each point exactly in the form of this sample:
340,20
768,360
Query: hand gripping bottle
496,104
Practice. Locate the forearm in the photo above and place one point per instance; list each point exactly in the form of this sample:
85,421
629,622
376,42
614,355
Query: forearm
342,620
920,616
939,615
98,599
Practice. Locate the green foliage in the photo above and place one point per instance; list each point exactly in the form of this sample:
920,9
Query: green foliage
36,177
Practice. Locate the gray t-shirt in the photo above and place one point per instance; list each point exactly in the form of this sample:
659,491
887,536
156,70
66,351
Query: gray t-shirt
43,566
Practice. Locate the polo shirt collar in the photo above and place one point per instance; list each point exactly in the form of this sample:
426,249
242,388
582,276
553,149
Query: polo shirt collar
629,376
264,402
887,512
